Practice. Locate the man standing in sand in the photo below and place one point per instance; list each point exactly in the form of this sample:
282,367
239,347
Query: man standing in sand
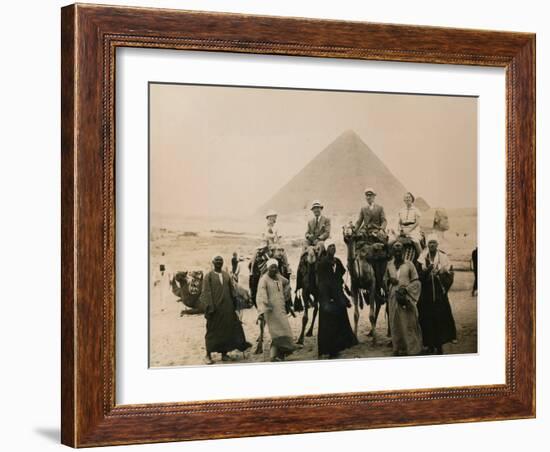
235,267
435,312
318,228
273,294
224,331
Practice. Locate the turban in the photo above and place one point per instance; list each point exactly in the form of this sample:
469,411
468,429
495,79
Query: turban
271,262
329,242
215,257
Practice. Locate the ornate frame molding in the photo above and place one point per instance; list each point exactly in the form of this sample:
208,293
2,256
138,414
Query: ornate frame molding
90,37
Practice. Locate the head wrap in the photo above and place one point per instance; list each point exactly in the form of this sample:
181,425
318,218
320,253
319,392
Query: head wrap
432,238
271,262
329,242
215,257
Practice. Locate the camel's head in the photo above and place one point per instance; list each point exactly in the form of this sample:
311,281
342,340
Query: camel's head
195,282
181,278
348,231
319,248
192,280
378,251
311,255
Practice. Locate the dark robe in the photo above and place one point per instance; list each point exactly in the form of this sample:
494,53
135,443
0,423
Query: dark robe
224,331
335,333
434,310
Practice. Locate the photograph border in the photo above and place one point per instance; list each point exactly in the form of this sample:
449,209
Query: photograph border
258,87
90,36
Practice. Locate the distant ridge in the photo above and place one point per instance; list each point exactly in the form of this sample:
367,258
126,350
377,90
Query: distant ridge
338,176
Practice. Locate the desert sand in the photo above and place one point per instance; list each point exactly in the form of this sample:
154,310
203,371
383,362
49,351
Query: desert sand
190,243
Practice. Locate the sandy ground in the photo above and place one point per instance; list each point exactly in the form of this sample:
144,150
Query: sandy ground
190,245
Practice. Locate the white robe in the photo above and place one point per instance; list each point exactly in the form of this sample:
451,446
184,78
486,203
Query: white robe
270,300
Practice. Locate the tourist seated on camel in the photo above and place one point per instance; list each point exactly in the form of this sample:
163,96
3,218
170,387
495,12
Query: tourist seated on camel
318,228
271,236
372,219
409,222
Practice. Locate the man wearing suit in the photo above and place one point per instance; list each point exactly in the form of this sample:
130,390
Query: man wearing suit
372,217
318,228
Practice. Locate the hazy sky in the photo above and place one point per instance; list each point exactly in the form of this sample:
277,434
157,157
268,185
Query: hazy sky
227,150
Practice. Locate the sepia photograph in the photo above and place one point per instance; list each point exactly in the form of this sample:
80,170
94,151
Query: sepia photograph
292,224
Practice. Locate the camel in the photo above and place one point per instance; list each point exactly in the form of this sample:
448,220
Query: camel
306,289
366,266
244,299
257,269
188,287
409,250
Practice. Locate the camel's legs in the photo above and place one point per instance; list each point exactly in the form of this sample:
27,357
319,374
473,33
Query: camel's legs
260,347
305,319
388,317
355,297
373,317
377,313
315,311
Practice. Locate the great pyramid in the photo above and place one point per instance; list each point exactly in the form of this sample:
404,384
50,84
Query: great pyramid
338,176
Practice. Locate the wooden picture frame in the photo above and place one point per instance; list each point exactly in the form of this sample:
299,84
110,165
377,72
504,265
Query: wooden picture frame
90,35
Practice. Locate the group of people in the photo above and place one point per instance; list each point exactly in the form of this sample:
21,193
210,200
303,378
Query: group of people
420,316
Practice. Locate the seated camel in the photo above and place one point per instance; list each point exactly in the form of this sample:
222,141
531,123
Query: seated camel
187,286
